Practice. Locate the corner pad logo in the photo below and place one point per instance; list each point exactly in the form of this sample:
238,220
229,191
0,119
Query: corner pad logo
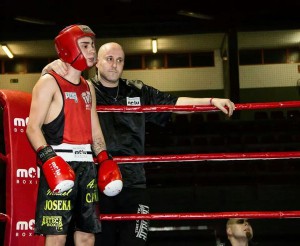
25,228
20,124
28,176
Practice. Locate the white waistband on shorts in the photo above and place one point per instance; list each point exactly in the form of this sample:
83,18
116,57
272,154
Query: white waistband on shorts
74,152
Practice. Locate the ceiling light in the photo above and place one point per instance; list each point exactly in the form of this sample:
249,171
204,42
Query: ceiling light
7,51
195,15
34,21
154,45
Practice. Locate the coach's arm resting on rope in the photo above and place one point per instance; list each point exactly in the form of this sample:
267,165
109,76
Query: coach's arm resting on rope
225,105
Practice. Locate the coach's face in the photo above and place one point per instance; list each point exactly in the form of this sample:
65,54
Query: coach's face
110,64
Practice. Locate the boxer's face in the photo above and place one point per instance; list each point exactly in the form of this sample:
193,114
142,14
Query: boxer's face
87,47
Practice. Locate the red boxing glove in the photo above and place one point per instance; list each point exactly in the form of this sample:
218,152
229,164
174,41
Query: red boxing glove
109,175
58,173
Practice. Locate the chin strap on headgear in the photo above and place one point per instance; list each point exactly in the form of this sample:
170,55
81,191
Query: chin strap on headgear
67,47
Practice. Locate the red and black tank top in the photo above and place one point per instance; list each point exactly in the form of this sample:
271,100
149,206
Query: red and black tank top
73,124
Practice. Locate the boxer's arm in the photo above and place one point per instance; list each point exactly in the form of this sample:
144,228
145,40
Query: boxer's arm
98,144
42,96
109,176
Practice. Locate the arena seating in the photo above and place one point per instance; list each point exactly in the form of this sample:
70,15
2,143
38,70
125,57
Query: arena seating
269,130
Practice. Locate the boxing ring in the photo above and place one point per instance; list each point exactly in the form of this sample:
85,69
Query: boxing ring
22,174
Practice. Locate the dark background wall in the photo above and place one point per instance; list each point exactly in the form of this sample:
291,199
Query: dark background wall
216,186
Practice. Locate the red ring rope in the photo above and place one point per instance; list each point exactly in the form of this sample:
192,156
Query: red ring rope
198,108
198,216
212,156
203,157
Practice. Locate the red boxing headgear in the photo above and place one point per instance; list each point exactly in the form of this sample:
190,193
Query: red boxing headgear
67,47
